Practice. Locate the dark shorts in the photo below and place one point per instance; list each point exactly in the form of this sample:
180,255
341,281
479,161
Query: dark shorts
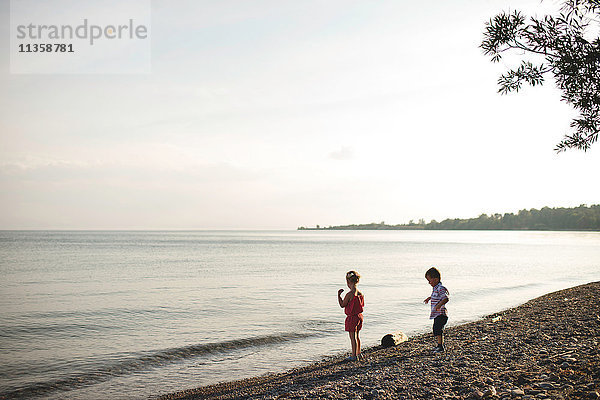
438,324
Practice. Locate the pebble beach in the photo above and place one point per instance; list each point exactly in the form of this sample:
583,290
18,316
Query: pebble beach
547,348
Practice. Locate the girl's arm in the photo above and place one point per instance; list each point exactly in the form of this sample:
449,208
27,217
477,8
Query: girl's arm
339,297
347,298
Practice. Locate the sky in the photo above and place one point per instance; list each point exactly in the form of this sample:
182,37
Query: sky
278,114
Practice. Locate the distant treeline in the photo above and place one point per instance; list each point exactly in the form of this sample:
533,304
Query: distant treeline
582,218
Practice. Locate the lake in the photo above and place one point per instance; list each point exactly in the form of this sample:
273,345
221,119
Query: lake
143,313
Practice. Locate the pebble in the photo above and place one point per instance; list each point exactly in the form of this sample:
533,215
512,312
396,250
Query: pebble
508,364
490,392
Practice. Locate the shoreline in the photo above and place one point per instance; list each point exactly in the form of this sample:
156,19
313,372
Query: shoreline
546,348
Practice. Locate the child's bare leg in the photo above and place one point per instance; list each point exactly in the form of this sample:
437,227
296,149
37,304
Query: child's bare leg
353,342
357,344
440,340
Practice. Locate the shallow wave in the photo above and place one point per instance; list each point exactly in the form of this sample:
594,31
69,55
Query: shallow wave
466,293
147,361
321,326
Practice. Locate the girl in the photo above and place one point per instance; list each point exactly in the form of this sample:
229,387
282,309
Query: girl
353,304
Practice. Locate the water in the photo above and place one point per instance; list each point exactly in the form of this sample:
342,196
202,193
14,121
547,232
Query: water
139,314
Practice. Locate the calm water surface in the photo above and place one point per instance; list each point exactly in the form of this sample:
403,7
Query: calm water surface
139,314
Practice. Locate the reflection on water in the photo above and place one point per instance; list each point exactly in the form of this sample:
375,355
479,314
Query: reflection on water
133,314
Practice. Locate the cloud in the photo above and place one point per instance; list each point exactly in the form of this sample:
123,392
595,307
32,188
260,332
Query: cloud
345,153
139,162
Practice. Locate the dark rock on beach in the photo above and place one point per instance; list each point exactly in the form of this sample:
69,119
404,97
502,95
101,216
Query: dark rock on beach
393,339
547,348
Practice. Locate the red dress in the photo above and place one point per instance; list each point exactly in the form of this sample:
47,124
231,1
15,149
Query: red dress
353,310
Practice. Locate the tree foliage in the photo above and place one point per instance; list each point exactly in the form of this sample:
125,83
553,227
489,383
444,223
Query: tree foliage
559,46
555,219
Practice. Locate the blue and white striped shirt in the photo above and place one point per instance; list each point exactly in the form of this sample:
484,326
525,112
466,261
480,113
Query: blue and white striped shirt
438,294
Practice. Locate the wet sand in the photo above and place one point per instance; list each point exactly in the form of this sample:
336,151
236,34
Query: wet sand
547,348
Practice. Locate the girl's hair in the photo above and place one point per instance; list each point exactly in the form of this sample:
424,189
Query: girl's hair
353,276
433,273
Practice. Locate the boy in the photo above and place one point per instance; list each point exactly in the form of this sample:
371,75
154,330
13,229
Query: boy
439,297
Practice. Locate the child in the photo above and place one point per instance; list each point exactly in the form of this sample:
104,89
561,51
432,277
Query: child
353,304
439,297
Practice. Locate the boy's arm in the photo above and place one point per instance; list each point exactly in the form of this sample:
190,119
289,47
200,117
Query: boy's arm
441,303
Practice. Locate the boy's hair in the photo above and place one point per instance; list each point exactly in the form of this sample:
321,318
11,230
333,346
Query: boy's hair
433,273
353,276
